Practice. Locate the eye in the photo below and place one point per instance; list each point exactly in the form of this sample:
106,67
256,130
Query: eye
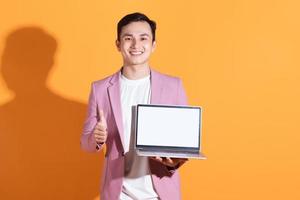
144,38
127,38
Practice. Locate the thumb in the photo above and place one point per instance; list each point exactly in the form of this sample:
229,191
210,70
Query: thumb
102,118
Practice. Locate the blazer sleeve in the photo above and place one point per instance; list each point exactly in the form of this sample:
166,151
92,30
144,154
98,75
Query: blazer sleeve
87,141
181,94
181,100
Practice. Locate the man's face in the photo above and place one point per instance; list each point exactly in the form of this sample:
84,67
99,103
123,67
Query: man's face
136,43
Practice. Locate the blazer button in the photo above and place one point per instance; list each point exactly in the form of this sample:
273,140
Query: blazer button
123,153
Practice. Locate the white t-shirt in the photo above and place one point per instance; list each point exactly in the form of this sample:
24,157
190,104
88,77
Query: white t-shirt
137,182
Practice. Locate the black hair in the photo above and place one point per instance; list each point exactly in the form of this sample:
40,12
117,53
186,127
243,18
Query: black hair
136,17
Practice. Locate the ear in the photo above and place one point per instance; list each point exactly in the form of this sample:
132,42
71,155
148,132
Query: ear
153,45
118,45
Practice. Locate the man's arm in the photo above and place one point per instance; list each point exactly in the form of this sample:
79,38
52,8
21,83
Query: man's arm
88,140
173,164
181,94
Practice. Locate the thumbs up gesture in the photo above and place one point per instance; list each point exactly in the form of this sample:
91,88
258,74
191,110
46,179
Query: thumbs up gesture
100,130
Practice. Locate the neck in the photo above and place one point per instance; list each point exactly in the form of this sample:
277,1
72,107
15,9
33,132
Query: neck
135,72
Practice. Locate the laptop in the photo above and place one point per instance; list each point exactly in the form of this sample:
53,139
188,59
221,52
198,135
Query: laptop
168,131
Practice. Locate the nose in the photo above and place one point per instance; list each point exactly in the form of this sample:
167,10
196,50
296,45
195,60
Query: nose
134,43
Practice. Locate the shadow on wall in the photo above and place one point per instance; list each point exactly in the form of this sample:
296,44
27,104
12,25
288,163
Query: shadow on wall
40,155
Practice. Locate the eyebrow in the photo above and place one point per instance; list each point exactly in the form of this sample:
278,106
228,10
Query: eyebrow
143,34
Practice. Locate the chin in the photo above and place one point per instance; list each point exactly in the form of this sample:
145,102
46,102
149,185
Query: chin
137,62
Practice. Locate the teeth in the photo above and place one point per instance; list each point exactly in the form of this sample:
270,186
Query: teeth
136,53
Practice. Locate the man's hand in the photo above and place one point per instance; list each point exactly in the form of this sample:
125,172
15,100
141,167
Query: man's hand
100,130
170,162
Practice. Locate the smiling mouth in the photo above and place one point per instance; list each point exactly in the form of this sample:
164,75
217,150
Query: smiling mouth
136,53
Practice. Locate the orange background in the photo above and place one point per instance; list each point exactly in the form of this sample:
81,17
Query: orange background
238,59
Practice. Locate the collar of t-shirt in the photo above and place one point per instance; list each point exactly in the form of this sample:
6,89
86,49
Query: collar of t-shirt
134,81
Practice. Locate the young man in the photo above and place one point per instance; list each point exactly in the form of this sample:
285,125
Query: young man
127,176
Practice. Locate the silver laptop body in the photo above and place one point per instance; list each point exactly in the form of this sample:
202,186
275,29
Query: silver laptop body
168,131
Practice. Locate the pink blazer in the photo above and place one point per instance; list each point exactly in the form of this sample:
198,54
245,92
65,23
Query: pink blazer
105,95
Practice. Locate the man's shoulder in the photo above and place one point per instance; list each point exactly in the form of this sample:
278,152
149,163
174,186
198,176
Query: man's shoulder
167,79
104,82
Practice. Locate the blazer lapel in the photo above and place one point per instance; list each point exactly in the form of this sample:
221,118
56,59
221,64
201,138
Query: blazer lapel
155,87
114,92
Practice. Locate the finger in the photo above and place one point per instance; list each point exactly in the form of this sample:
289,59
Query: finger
155,159
101,115
102,120
100,138
181,160
152,158
100,133
100,141
101,127
159,158
97,125
169,160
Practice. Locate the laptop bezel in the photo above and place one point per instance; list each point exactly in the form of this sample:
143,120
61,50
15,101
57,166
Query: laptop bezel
168,148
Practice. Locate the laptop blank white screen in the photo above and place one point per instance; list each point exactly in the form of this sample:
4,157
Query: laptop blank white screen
168,126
